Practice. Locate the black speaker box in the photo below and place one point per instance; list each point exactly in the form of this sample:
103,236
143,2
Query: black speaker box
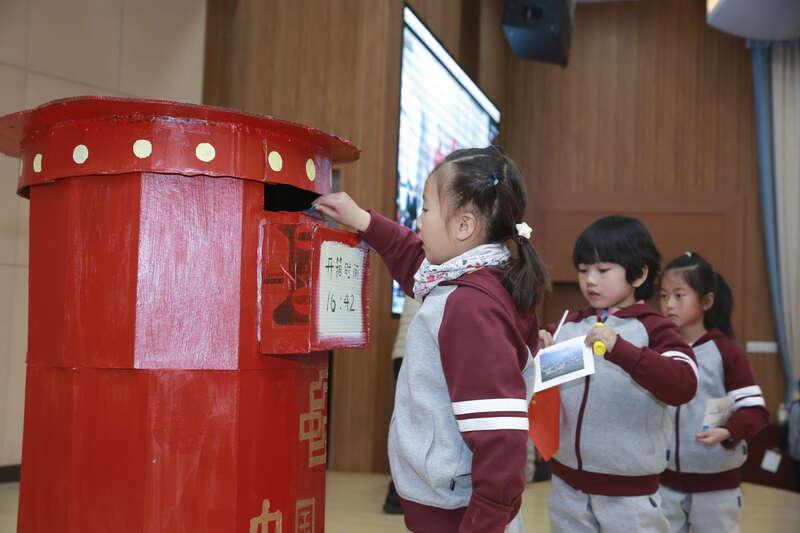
539,29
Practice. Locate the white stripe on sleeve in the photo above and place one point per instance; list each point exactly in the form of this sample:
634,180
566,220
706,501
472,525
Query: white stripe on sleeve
753,401
494,423
683,357
752,390
494,405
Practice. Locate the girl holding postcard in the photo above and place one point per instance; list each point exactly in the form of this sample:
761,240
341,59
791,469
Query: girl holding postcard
700,488
615,424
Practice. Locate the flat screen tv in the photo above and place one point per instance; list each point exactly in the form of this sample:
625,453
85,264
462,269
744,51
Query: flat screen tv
441,110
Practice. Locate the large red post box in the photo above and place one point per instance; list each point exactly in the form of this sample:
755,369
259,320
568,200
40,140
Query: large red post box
181,302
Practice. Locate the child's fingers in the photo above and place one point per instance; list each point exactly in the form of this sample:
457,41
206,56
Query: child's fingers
595,334
325,210
329,200
331,204
590,338
545,339
708,438
341,208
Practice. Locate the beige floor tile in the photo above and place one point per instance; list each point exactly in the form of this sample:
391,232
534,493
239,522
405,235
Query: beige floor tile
9,496
353,505
77,40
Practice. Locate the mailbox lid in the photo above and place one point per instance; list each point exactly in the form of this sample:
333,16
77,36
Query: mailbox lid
96,135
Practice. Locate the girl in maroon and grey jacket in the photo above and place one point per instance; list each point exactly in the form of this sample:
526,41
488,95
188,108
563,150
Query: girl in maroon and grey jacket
457,440
615,424
700,488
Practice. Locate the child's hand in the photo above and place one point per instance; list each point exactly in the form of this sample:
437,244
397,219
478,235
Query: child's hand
602,333
545,339
341,208
713,436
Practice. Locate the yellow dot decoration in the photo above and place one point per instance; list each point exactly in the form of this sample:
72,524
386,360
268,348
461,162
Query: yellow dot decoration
311,170
205,152
80,154
275,161
142,148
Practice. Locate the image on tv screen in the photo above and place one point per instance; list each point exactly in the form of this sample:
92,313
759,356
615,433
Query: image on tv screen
441,110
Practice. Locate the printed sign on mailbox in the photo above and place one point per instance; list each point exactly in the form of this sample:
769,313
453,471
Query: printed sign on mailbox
314,286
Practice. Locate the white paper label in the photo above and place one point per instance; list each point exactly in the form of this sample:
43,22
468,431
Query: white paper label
771,461
718,410
341,278
783,413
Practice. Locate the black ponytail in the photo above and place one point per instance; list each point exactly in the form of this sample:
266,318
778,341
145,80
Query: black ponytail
719,316
488,182
703,279
527,278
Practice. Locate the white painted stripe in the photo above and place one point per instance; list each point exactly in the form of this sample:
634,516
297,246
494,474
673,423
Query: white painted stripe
749,402
493,405
494,423
761,347
751,390
683,357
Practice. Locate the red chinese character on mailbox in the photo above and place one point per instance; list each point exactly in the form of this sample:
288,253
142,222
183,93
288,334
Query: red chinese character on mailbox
181,303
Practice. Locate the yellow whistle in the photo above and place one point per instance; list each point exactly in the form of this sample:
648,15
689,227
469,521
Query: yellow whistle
599,347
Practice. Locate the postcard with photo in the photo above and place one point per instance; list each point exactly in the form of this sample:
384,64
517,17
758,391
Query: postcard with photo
562,362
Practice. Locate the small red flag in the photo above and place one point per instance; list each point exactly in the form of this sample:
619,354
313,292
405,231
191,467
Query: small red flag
543,415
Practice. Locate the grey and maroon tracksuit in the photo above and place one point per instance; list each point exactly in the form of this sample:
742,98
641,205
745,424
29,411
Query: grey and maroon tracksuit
457,439
615,425
700,488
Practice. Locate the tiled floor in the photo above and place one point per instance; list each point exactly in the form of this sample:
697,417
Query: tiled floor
354,506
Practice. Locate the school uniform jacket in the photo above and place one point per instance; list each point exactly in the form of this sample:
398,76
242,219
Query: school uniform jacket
724,371
458,435
615,425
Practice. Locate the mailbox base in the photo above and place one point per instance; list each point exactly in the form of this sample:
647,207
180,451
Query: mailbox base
174,450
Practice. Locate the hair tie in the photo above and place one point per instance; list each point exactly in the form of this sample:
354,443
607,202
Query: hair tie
688,254
524,230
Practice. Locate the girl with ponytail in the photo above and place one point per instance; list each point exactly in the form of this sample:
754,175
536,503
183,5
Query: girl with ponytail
700,488
458,436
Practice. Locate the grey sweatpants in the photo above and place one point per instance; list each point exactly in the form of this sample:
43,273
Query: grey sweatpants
574,511
715,511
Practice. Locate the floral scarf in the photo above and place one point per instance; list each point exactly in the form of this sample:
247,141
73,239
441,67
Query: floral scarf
486,255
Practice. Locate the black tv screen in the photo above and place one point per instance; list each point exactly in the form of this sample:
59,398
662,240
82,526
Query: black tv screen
441,110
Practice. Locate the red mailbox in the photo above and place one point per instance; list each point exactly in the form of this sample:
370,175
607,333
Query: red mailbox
179,302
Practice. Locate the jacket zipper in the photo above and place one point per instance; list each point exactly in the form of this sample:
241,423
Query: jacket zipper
678,439
580,422
601,316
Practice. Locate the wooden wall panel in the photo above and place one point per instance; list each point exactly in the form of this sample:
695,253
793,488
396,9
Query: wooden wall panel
335,66
654,101
493,55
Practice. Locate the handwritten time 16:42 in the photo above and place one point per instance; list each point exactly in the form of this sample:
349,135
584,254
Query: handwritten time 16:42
336,303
